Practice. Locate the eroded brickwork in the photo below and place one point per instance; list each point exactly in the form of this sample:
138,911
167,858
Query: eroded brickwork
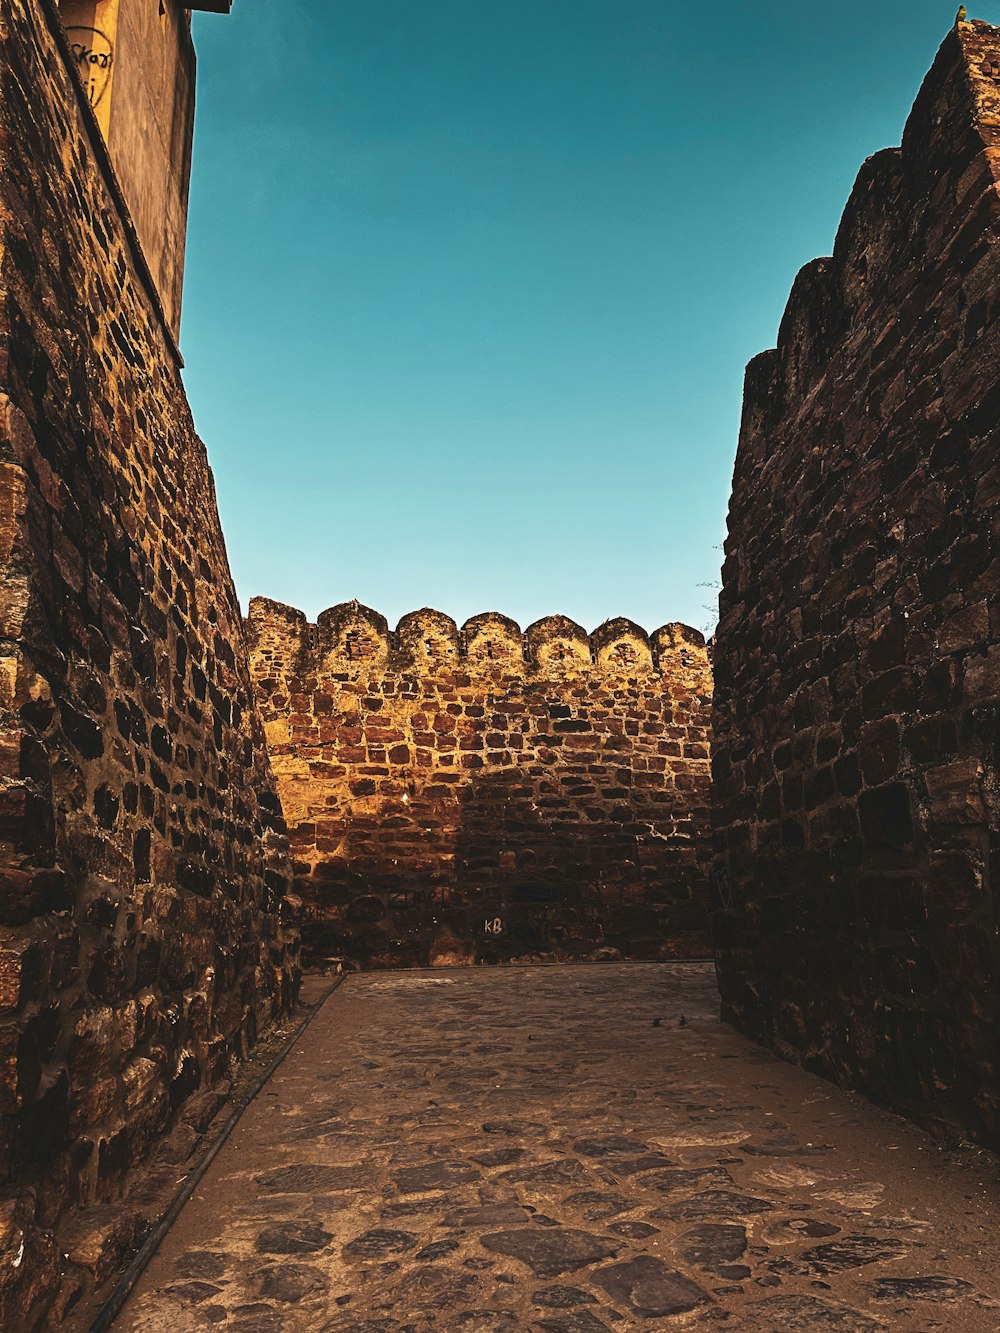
143,858
858,654
455,796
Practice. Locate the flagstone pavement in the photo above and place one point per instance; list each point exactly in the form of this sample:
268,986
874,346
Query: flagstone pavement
569,1149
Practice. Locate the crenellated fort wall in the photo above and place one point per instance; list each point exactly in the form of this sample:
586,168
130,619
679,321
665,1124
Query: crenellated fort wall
857,660
479,794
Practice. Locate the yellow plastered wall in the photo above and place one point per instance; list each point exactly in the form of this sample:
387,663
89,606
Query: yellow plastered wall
92,29
137,63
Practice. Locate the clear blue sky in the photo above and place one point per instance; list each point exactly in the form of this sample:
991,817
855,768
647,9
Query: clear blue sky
471,285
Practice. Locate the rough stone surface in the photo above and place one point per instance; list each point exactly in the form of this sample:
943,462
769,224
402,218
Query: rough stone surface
868,1227
857,660
483,794
142,862
646,1286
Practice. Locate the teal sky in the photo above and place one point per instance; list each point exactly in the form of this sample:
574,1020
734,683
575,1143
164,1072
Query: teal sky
471,286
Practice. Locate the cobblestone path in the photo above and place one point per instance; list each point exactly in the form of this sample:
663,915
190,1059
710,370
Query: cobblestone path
568,1149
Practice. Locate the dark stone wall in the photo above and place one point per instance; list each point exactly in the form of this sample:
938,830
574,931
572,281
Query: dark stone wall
856,786
143,861
482,795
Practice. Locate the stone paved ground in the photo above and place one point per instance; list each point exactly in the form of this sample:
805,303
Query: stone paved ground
568,1149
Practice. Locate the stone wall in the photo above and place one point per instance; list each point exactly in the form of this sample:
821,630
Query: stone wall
142,856
485,794
857,794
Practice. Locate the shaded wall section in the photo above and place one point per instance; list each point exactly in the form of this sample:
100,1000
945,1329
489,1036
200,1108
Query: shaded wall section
483,794
857,801
143,861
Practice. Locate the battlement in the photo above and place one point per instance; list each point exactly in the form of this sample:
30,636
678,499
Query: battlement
350,640
527,793
897,213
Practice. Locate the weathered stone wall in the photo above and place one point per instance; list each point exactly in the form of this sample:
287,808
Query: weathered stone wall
857,796
482,794
142,856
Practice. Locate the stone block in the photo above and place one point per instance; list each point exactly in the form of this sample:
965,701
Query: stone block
955,792
22,964
982,677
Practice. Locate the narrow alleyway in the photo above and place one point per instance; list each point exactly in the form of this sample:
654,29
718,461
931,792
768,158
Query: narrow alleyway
568,1149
